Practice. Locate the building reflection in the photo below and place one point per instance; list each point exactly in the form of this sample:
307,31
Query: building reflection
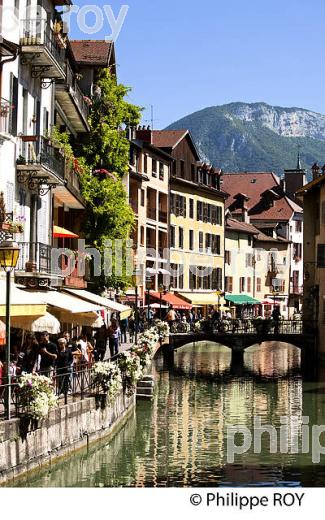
180,438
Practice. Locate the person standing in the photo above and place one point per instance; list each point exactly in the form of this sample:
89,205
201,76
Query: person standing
101,342
113,335
28,359
49,354
63,367
171,317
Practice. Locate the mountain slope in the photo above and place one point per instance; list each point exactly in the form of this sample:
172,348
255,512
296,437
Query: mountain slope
257,136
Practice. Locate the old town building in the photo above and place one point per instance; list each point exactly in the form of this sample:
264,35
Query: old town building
258,198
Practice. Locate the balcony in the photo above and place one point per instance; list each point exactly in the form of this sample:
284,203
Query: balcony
75,279
39,161
5,116
34,257
72,101
40,48
68,194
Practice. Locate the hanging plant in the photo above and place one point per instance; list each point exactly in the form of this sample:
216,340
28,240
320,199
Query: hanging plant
107,379
36,396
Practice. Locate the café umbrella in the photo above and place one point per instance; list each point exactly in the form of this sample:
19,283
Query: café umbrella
48,323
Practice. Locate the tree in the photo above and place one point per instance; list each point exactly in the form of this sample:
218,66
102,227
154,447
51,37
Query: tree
105,161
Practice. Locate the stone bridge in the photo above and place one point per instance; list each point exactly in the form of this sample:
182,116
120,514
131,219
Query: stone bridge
238,338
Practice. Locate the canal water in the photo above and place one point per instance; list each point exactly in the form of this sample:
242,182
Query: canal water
184,437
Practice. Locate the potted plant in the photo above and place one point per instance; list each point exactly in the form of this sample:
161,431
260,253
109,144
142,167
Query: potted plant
21,160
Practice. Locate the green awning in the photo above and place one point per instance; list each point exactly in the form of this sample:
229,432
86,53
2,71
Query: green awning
241,299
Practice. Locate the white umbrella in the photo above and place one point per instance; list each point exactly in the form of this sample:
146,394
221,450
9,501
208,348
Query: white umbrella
47,322
98,323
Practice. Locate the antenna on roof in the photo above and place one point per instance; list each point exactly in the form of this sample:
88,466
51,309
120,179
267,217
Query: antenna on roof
152,120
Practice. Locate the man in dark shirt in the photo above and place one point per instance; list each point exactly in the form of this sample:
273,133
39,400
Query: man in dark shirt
49,354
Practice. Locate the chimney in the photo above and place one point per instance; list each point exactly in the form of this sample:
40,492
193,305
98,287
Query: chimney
315,170
145,134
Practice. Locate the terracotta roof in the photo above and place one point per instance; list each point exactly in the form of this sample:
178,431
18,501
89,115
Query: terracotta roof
253,184
234,225
167,138
261,237
91,52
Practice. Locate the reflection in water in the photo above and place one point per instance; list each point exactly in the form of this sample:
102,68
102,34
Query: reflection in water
180,439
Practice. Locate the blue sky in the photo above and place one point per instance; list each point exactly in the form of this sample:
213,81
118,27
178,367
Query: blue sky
184,55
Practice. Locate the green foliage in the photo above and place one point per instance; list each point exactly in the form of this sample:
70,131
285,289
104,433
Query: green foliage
108,213
108,147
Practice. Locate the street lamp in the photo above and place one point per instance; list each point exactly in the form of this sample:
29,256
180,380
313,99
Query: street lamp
9,254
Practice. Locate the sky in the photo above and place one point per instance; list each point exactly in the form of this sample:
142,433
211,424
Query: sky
181,56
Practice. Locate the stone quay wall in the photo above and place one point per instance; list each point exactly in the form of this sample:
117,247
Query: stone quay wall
67,429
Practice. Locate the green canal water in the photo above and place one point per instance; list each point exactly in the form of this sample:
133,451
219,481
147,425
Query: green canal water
182,437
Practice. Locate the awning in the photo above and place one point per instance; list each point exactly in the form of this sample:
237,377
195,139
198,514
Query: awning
22,302
124,310
203,298
59,232
67,302
172,300
241,299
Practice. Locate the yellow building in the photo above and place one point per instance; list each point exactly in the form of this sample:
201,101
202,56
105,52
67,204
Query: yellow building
196,220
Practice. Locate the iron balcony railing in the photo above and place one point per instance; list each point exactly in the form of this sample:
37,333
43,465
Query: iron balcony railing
37,32
37,253
5,115
77,94
38,150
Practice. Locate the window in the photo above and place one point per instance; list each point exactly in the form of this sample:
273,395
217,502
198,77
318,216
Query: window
145,163
191,215
191,239
182,168
199,212
172,236
249,285
249,260
181,238
228,257
161,171
143,196
217,282
249,240
229,284
242,284
13,121
216,244
258,284
192,277
193,173
297,251
298,223
173,203
142,236
174,169
321,255
201,238
154,168
208,243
